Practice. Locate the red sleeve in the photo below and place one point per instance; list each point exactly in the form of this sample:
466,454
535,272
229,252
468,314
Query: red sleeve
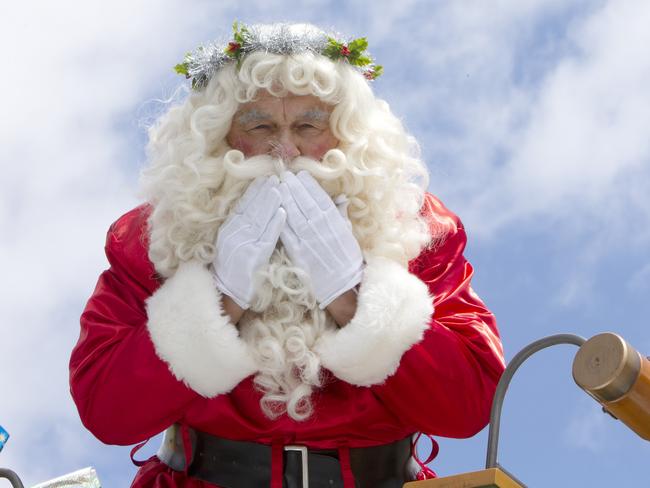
445,383
123,391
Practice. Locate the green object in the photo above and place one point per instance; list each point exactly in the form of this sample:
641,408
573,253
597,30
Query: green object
203,63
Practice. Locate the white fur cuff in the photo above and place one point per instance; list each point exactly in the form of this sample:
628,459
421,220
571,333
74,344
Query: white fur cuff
192,334
393,311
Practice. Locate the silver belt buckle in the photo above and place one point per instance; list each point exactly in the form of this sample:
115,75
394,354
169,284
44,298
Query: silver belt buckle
304,461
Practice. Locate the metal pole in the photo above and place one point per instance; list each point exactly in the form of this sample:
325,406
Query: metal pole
504,382
12,477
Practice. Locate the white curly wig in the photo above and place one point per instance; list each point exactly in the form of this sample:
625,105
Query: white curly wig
193,179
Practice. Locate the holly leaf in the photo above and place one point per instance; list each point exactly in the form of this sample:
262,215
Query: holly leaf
333,42
182,69
235,32
360,61
358,45
333,48
239,32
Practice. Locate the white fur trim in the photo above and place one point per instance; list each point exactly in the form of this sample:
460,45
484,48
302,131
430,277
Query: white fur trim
193,335
393,311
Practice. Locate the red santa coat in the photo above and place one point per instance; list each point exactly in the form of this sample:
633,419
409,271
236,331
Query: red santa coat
155,352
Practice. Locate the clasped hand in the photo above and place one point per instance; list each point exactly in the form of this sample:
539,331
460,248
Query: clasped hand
315,235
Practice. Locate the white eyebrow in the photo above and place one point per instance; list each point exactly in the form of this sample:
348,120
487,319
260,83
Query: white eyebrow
252,115
316,114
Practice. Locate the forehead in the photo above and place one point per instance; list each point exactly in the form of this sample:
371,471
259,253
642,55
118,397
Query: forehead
267,106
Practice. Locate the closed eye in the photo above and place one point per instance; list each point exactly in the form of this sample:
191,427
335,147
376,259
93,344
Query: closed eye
260,127
308,127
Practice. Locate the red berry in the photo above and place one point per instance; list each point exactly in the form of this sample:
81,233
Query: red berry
233,47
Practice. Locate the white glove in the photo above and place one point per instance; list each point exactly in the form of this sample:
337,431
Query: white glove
247,239
318,238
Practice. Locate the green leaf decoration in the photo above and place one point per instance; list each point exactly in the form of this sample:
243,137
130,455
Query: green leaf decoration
333,49
358,45
353,53
239,32
360,61
182,69
331,42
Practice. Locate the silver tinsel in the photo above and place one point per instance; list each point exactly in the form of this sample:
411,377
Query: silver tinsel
279,38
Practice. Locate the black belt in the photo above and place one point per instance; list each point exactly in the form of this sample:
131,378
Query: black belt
238,464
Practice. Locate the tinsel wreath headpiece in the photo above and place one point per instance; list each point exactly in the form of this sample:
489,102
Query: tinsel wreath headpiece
202,64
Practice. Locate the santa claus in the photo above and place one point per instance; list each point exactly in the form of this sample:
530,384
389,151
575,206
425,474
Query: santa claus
289,303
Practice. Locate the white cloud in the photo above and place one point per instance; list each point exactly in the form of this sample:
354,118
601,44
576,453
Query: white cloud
568,144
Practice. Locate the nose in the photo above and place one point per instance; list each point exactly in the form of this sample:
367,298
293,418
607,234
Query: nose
285,146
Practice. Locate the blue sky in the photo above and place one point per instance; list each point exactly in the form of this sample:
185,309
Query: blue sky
534,119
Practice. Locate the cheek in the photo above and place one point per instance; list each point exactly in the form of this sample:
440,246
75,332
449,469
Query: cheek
319,151
248,147
318,148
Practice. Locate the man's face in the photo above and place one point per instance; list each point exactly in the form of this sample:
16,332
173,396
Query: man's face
287,127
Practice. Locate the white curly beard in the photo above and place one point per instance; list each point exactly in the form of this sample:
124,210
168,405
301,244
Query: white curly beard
284,322
281,328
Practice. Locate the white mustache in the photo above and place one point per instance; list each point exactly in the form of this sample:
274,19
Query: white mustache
333,165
